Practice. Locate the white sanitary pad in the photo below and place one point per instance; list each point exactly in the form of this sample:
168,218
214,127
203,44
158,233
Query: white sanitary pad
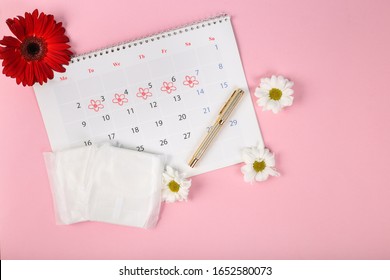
106,184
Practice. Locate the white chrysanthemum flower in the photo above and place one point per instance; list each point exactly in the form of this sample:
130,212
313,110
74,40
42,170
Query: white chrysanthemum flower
175,186
259,164
274,93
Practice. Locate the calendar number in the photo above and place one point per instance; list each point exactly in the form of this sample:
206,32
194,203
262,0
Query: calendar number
163,142
177,98
220,66
78,105
200,91
88,143
159,123
182,117
103,99
84,123
140,148
153,104
173,79
233,122
187,135
224,85
130,111
111,136
126,91
135,129
106,117
150,85
206,110
197,72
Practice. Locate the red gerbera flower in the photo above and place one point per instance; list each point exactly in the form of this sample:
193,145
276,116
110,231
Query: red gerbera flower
39,48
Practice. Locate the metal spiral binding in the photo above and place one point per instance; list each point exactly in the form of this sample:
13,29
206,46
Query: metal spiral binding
152,37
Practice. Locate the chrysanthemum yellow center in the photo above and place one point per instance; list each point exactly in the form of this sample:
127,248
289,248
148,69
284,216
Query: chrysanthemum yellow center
173,186
259,166
275,94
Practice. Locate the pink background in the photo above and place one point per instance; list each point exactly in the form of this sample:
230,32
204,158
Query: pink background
332,146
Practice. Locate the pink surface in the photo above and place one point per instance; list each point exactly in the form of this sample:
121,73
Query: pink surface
333,198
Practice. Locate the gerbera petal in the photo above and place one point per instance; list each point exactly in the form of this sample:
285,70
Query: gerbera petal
16,28
48,26
58,39
39,73
59,47
10,41
20,67
39,24
48,71
57,30
9,61
29,73
29,24
60,56
13,68
54,63
8,52
19,78
41,65
35,14
17,69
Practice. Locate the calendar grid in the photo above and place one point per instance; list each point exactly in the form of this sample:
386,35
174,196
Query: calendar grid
159,97
85,117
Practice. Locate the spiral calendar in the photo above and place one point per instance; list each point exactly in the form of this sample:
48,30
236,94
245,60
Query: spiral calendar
158,94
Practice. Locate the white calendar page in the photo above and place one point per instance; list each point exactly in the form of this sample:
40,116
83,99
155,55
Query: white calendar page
159,94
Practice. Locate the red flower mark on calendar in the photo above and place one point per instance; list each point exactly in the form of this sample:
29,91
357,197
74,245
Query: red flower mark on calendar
144,93
168,87
120,99
190,81
95,105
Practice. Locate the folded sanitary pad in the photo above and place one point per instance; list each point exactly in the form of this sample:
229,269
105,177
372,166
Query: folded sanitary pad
106,184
